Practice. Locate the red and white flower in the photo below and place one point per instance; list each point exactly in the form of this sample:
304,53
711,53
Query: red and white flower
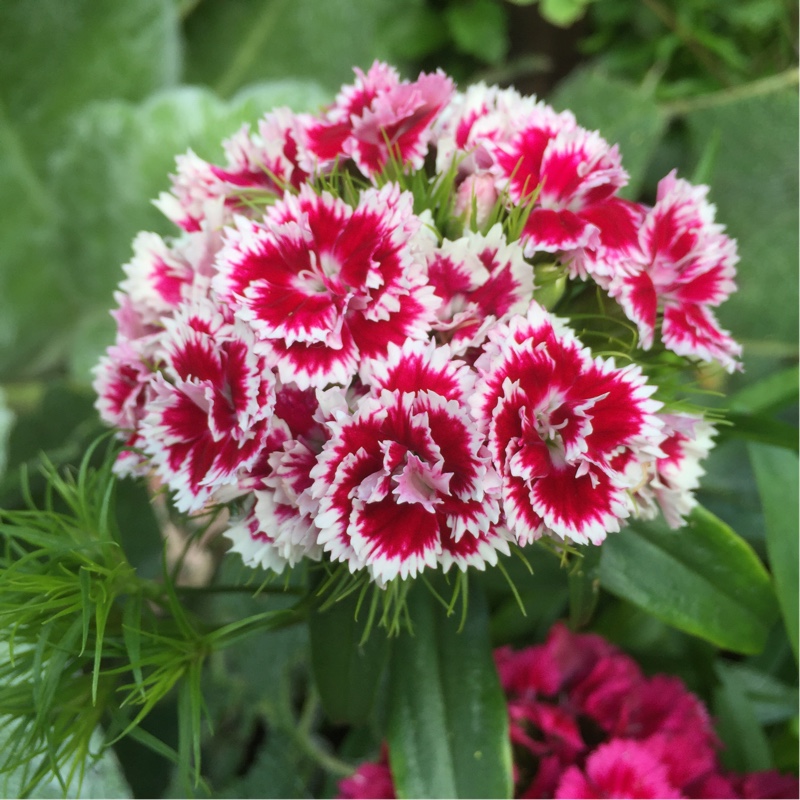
325,286
213,403
556,418
479,279
683,266
402,474
572,176
379,119
267,161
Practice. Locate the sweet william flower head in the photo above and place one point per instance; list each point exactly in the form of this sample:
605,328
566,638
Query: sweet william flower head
344,343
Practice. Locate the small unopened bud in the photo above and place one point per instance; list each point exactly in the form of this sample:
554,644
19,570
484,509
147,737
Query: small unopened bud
476,196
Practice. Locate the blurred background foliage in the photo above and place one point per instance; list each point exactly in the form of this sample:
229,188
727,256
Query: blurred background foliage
96,99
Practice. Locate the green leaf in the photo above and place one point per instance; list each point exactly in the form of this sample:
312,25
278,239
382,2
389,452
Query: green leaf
116,157
761,428
703,579
772,393
563,12
623,113
772,700
746,747
71,52
755,187
777,478
478,28
53,61
448,725
346,672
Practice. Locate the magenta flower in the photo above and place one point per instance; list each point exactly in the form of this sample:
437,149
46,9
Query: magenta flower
556,419
620,768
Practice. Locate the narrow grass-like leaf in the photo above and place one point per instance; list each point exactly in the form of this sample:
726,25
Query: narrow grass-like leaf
131,632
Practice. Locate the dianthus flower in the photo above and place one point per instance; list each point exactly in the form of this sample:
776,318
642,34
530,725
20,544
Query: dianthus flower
585,722
345,342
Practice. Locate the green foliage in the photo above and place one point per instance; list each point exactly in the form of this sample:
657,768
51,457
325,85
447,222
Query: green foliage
448,726
95,102
703,579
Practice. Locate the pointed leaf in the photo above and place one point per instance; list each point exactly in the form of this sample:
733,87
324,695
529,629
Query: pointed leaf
703,579
346,671
777,476
448,723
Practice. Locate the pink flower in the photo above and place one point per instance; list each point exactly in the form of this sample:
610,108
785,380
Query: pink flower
265,162
555,419
212,408
325,286
683,266
369,782
621,768
380,118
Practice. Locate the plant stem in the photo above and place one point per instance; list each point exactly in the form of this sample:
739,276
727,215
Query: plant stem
774,83
671,21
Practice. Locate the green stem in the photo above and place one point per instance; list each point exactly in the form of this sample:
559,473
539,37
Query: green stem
669,19
774,83
301,733
253,44
222,589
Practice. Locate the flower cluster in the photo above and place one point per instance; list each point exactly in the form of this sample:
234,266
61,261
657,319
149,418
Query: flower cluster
350,340
585,722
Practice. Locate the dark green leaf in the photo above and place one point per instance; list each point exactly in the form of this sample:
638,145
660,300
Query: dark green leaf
746,747
623,113
772,700
772,393
346,671
703,579
761,428
448,724
777,477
